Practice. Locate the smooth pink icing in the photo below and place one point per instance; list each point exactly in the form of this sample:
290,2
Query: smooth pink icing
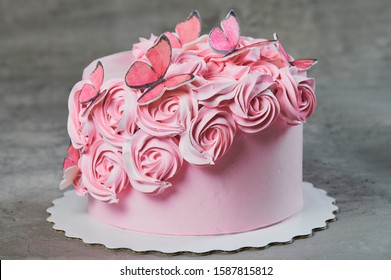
256,184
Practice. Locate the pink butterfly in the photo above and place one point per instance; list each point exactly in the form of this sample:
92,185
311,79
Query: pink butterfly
90,92
225,40
72,159
151,77
186,31
302,64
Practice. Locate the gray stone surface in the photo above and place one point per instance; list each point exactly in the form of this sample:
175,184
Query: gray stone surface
45,44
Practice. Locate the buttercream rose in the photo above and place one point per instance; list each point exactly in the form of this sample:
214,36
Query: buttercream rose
209,136
151,161
216,84
170,115
114,117
254,107
103,172
81,130
185,62
296,97
270,53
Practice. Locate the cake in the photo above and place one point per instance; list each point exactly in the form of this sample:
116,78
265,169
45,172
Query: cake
191,135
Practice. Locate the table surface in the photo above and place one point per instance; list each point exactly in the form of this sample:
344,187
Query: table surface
44,45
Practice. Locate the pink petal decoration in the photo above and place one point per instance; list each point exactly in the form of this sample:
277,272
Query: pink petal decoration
304,64
159,56
225,39
141,75
190,29
178,80
152,94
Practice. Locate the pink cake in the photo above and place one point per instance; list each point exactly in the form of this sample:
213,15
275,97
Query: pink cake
191,135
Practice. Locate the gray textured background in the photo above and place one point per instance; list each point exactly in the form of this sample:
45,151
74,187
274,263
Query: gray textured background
44,46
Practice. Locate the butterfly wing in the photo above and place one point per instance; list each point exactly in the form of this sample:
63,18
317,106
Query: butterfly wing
225,39
97,76
304,64
190,29
152,94
174,41
90,90
87,93
73,154
94,102
159,55
141,75
177,81
280,47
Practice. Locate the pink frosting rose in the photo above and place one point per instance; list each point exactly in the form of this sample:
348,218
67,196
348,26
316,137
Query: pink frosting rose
103,172
170,115
81,130
115,116
296,97
216,84
270,53
185,62
209,136
264,68
151,161
254,107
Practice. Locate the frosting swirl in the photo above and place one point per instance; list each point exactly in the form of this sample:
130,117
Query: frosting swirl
114,117
255,107
151,161
296,97
170,115
103,174
209,136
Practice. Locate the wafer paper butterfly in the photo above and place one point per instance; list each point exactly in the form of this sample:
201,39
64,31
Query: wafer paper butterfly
90,92
186,31
225,40
70,167
151,77
303,64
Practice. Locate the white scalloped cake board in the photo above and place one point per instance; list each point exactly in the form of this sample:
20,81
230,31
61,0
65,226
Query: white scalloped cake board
69,214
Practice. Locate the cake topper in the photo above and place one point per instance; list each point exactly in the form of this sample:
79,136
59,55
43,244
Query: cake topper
186,31
225,40
302,64
90,92
151,77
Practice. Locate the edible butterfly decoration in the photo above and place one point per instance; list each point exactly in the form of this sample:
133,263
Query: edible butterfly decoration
70,167
72,159
186,31
225,39
302,64
90,92
151,77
